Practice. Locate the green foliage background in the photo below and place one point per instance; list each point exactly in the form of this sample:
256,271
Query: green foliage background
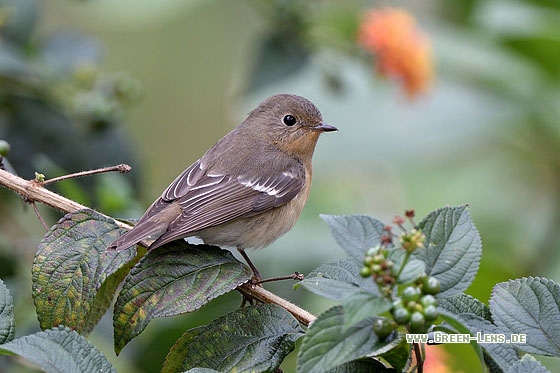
487,134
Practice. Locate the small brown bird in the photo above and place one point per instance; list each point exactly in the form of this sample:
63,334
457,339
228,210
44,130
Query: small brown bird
246,190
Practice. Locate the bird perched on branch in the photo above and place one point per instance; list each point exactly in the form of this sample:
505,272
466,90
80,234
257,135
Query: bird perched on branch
246,190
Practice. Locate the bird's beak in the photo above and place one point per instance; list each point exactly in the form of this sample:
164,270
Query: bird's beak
323,127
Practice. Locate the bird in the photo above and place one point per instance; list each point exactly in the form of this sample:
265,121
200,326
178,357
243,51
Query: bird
247,190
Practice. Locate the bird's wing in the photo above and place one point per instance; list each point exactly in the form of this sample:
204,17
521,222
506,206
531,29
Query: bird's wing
208,199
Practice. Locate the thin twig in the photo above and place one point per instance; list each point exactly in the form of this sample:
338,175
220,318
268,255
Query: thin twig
39,216
294,276
419,357
122,168
34,191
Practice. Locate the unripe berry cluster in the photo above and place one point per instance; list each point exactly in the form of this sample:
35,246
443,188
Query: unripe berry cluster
416,307
412,240
382,269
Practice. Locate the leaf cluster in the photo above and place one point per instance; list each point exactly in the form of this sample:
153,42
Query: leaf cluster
75,281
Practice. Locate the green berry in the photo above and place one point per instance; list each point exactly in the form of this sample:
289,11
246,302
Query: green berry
431,285
417,322
378,258
4,148
365,272
411,306
430,313
428,300
372,251
401,315
411,293
376,268
383,327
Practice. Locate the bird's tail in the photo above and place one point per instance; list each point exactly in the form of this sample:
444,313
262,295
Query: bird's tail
144,231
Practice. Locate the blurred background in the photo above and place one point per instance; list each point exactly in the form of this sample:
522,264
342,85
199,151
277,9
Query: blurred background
438,103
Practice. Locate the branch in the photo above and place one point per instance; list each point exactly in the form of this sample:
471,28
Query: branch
33,191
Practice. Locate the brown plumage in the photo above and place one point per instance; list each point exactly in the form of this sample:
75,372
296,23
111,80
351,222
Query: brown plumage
246,190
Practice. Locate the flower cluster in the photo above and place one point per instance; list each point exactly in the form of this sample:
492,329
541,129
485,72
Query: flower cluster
402,52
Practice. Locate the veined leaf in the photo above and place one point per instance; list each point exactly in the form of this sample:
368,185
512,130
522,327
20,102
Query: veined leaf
338,280
328,344
173,279
71,265
464,303
452,249
59,350
7,320
355,234
249,339
529,306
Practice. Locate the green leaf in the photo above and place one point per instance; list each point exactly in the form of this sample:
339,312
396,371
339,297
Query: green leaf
254,338
328,344
59,350
361,305
174,279
529,306
452,249
502,354
338,280
413,268
398,356
355,234
7,320
71,265
106,293
463,303
527,364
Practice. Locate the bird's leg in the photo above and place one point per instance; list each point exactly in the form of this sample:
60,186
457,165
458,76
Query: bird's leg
256,274
257,279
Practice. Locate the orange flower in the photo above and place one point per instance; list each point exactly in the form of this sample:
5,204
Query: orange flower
402,51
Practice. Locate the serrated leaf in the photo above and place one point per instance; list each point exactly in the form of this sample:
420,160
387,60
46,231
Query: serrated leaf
527,364
502,354
452,249
7,319
464,303
173,279
529,306
338,280
328,344
361,305
249,339
106,293
355,234
59,350
71,265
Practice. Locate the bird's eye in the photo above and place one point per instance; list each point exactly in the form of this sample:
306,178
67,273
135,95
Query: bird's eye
289,120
